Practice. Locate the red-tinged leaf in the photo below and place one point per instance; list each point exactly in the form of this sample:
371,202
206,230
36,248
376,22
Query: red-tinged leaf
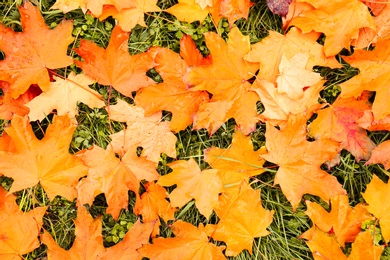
381,154
279,7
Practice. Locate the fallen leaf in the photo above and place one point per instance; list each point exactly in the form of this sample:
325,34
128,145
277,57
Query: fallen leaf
192,183
30,53
64,95
364,248
19,230
115,66
331,19
338,123
46,161
343,220
189,243
368,122
376,196
227,80
294,77
299,162
149,132
381,154
188,11
242,219
114,177
279,7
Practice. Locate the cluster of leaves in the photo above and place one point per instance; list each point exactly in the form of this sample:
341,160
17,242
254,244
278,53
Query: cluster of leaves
129,184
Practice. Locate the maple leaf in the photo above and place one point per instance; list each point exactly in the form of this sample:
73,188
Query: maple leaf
63,95
152,134
299,162
236,163
189,243
115,66
232,10
69,5
172,94
376,196
368,122
364,248
46,161
331,18
377,6
380,154
128,18
188,11
227,79
242,219
343,220
191,54
88,243
338,122
114,177
29,54
278,106
294,76
322,244
374,75
19,230
192,183
368,36
153,204
270,50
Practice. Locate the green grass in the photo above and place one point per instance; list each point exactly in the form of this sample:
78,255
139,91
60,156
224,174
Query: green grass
163,29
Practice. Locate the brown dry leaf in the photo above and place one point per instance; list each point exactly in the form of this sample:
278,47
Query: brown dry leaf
153,204
242,219
374,67
227,79
340,21
19,230
46,161
299,162
279,107
114,66
63,95
342,220
189,243
114,177
236,163
338,123
149,132
192,183
376,195
270,50
294,77
30,53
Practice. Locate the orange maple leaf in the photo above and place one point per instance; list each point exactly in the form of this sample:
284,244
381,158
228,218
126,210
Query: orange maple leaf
368,122
19,230
64,95
153,204
29,54
188,11
113,177
376,196
173,94
380,155
236,163
299,162
192,183
331,19
374,75
88,243
46,161
270,50
342,219
364,247
115,66
149,132
227,79
189,243
242,219
338,123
